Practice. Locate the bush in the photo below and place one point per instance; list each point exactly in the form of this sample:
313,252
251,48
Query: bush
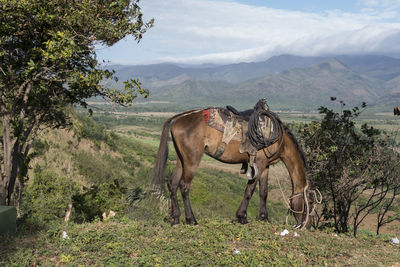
92,202
47,197
86,127
351,166
40,147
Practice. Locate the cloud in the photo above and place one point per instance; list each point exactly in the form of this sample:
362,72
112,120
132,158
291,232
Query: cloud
197,31
380,3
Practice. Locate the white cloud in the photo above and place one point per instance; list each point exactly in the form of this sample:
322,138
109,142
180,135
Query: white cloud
196,31
380,3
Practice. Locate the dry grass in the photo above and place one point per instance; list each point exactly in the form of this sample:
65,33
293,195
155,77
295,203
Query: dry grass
63,146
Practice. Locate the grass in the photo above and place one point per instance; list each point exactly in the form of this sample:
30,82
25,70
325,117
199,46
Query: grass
213,243
142,236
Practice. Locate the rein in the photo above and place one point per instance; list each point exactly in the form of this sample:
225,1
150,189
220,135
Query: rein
317,198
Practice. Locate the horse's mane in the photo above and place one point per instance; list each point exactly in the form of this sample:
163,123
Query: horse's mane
298,147
296,143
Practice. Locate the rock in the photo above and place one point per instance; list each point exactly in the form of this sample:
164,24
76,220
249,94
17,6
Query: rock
284,232
64,235
394,241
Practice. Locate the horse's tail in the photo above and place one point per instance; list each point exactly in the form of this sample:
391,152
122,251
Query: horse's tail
162,156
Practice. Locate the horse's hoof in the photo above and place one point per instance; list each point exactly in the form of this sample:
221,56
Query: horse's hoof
243,220
191,221
174,221
263,217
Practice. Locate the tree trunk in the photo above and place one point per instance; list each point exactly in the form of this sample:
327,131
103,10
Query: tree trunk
15,167
10,161
3,192
68,213
15,147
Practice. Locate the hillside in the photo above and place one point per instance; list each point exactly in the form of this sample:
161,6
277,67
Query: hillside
315,84
90,154
375,66
232,73
298,88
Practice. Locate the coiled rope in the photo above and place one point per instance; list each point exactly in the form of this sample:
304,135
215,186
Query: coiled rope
255,133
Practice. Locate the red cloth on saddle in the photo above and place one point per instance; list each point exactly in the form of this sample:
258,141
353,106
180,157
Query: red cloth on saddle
206,115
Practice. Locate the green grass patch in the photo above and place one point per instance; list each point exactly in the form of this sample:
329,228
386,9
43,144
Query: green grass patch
212,243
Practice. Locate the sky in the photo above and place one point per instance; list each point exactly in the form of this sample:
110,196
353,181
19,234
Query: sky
233,31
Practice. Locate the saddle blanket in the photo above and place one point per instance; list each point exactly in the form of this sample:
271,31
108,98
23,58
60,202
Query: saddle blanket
225,122
233,126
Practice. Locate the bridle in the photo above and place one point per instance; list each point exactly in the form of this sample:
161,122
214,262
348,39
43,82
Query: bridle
317,200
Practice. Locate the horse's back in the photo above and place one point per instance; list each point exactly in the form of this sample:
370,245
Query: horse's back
188,134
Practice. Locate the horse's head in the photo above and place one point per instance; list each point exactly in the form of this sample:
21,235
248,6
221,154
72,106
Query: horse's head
303,206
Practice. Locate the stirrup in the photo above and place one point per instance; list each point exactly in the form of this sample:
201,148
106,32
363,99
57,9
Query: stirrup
244,168
253,168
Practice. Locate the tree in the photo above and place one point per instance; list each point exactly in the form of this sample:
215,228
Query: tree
350,166
388,209
381,186
48,62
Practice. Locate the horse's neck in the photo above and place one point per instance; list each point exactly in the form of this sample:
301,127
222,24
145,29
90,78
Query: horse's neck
292,159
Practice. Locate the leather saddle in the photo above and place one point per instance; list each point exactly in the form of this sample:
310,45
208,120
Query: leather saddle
252,173
244,114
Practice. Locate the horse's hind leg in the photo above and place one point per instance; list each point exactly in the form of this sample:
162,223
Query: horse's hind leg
263,179
188,136
241,213
185,187
174,212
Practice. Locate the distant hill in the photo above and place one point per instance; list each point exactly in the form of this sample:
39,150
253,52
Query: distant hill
314,85
290,82
232,73
211,92
380,67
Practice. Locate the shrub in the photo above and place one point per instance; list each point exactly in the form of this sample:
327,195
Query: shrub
351,166
47,197
86,127
93,201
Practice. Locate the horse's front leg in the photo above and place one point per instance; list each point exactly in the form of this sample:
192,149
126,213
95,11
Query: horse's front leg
241,213
263,179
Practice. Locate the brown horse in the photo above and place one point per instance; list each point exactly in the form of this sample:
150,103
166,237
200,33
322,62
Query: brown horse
192,137
396,110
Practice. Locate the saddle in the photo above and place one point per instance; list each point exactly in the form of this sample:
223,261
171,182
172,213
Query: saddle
244,114
235,126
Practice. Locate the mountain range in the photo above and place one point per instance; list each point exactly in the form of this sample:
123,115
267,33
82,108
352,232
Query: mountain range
287,81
